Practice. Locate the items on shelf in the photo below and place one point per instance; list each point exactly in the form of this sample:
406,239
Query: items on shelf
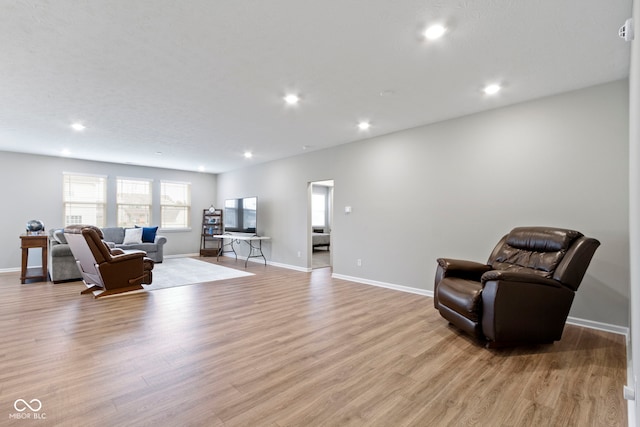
212,225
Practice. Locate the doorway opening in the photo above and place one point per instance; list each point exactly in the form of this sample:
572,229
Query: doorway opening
320,220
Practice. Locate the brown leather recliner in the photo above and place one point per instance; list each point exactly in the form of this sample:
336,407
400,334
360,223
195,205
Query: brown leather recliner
106,271
523,293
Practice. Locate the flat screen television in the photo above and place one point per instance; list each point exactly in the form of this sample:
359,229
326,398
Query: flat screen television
240,215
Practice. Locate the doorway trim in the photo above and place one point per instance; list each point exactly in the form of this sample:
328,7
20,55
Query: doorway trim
329,183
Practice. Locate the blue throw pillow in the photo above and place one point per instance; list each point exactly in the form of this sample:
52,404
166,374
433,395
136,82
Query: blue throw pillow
148,234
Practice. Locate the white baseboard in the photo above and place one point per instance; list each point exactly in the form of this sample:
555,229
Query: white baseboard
180,255
622,330
402,288
18,269
275,264
289,266
607,327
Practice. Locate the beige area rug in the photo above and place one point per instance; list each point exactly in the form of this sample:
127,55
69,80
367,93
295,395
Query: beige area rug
173,272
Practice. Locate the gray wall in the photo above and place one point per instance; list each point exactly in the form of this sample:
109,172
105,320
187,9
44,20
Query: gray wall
32,189
452,189
634,213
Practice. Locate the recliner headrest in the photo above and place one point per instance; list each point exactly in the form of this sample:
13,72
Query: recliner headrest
542,239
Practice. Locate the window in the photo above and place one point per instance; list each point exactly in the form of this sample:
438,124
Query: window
175,204
84,199
133,202
231,213
318,210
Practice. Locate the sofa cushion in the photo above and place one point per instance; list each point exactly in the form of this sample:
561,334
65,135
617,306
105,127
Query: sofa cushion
113,234
147,247
60,250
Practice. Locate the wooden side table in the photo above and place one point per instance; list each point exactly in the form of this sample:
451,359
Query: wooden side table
28,241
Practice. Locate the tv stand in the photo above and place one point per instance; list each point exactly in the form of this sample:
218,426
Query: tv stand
254,242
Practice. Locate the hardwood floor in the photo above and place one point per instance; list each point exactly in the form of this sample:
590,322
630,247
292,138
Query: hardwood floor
320,258
285,348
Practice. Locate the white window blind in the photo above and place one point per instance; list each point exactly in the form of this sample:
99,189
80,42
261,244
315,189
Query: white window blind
175,204
318,210
84,199
133,202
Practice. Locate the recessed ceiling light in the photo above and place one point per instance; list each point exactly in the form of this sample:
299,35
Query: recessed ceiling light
66,152
434,32
201,168
248,154
491,89
292,99
364,125
78,127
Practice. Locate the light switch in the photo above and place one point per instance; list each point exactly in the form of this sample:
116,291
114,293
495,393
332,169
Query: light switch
347,209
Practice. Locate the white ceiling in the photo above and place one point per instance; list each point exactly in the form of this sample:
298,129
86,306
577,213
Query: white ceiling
202,81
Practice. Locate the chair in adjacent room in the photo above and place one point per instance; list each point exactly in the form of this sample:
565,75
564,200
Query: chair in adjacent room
106,271
523,293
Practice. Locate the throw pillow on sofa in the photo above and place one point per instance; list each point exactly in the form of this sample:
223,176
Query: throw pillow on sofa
132,236
148,234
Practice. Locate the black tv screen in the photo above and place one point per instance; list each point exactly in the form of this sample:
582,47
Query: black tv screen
240,215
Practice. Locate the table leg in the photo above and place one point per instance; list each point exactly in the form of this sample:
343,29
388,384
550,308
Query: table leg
25,257
258,251
45,258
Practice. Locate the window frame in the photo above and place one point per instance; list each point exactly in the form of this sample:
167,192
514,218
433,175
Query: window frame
73,203
146,205
186,207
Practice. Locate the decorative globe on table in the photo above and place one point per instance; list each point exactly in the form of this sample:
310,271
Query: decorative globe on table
35,226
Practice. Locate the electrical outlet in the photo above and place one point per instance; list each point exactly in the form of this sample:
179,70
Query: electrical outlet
629,393
359,262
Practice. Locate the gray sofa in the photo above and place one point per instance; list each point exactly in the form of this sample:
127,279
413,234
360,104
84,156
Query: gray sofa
154,250
62,264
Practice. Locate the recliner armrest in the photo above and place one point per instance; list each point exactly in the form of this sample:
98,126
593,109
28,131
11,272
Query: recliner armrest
512,276
448,267
128,256
451,266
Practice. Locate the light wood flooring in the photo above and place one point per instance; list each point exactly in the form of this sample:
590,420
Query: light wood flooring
285,348
320,258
